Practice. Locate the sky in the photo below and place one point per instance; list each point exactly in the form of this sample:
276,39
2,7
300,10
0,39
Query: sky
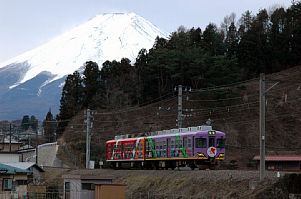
26,24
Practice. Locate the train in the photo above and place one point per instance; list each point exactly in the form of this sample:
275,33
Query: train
195,147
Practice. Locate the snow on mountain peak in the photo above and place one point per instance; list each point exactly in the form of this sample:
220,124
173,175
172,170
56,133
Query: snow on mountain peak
105,37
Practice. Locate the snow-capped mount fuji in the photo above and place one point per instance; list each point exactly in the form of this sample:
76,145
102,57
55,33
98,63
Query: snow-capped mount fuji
31,83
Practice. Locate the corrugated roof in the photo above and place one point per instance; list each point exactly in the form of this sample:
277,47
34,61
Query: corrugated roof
6,169
12,141
280,158
88,174
24,165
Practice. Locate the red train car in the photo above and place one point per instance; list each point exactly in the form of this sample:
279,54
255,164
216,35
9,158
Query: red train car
130,150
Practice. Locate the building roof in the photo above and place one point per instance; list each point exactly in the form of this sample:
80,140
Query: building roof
12,141
10,153
24,165
6,169
106,184
88,177
88,174
280,158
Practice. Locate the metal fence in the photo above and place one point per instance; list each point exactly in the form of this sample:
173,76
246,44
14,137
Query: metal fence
28,195
83,195
89,194
139,195
150,195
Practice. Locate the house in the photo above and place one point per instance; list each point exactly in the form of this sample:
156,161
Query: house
13,179
31,167
281,162
79,184
9,145
9,157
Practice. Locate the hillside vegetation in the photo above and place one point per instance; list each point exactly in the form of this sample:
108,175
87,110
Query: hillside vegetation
220,65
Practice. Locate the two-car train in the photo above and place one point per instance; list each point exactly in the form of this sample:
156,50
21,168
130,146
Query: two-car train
195,147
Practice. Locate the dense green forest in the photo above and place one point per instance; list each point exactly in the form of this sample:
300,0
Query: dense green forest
268,42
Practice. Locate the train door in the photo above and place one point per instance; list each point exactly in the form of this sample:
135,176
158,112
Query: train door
168,147
188,146
211,142
184,142
184,149
192,146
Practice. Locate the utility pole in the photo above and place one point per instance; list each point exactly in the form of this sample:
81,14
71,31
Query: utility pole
9,137
262,93
37,146
88,138
180,116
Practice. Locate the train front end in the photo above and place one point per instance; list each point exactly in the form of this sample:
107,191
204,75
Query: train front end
210,147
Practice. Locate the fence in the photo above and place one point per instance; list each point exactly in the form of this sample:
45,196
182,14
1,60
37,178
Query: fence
30,195
85,195
151,195
139,195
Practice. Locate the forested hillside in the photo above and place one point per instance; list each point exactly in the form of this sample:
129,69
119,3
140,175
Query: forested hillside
134,97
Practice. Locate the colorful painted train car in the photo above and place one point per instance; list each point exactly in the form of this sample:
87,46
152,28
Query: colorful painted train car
199,147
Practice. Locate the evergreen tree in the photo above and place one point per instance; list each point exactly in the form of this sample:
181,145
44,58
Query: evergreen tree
71,100
213,41
92,83
195,37
245,22
279,39
34,123
49,125
294,33
25,124
231,42
140,67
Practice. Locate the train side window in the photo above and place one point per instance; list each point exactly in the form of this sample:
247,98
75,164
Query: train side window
185,143
189,143
172,144
220,143
157,145
200,143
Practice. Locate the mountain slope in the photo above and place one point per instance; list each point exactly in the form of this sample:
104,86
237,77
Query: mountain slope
37,75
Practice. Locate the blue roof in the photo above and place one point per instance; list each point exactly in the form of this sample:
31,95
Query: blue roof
6,169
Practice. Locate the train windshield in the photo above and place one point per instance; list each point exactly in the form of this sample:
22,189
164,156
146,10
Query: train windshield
220,143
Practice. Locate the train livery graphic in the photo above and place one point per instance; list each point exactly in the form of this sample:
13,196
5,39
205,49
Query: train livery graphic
195,147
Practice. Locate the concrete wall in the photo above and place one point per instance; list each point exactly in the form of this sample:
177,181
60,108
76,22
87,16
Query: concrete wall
46,155
9,157
28,156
